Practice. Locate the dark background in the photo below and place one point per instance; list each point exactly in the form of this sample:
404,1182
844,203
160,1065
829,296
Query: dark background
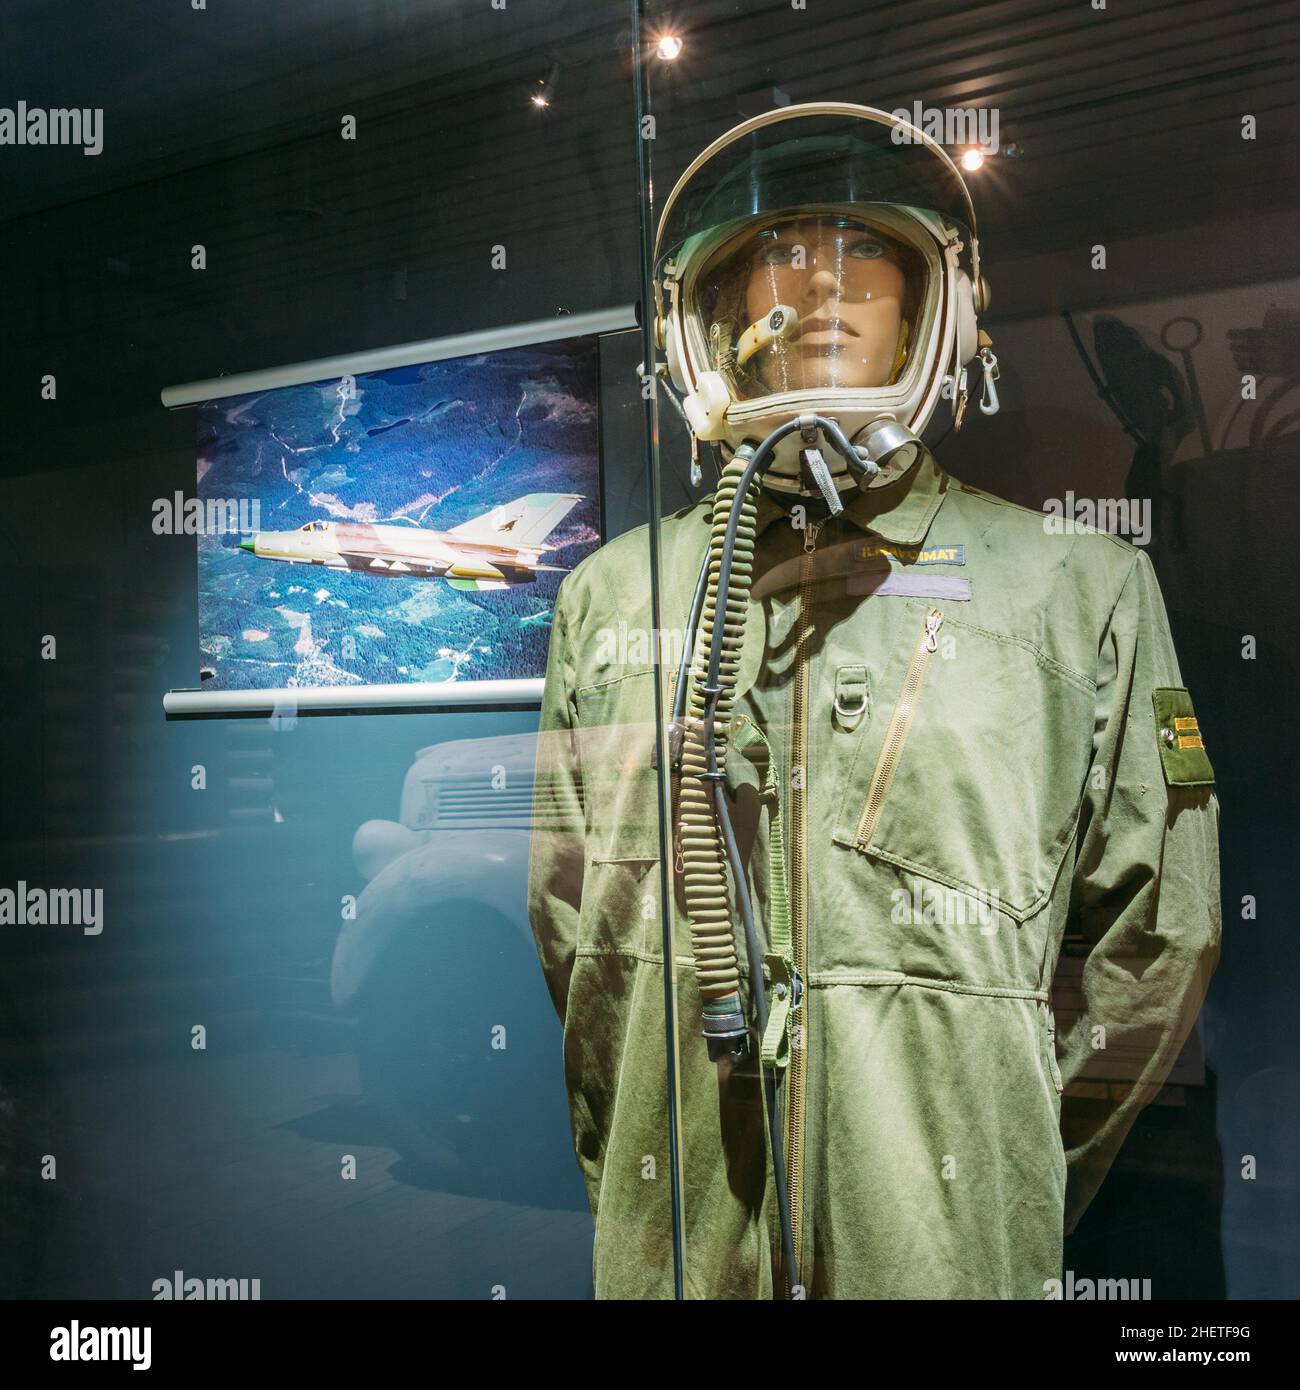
222,127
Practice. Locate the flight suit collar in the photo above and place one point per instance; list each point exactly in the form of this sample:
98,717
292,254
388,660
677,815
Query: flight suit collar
900,511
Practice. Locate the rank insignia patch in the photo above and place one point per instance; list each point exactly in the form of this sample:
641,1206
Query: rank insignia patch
1178,736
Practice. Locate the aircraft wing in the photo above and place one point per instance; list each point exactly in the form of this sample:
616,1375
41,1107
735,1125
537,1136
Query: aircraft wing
523,524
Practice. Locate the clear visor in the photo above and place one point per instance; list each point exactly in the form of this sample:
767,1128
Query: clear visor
811,301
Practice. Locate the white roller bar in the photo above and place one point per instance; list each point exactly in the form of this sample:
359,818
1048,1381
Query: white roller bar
403,355
417,695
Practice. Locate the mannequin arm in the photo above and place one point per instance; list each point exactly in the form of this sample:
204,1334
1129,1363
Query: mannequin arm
1145,893
557,856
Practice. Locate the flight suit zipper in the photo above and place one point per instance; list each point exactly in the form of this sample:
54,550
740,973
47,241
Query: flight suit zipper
797,1072
896,735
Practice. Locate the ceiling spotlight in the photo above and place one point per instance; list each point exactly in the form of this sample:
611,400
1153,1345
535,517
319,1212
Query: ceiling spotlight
546,87
972,159
668,47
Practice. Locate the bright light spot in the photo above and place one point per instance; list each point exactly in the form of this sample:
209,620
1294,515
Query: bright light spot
669,47
972,160
540,100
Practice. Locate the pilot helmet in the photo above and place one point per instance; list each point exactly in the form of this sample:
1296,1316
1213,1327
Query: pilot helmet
820,258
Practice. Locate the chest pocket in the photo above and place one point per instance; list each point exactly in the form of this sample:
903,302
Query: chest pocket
614,744
971,769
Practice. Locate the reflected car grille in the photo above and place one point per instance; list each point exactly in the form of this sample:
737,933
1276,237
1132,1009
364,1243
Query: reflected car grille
467,803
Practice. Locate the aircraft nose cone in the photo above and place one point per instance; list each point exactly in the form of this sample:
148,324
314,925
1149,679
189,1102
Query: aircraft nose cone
248,545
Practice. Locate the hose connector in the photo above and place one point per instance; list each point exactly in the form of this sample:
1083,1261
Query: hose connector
725,1030
883,444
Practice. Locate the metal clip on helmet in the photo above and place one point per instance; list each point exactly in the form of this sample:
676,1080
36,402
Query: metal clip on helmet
810,262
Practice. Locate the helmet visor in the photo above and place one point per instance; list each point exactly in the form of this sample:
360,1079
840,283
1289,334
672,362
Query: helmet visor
808,301
810,159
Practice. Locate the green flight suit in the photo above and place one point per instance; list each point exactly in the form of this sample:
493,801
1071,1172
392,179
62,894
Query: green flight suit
982,744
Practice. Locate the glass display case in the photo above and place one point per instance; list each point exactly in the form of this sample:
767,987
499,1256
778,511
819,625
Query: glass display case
956,921
624,628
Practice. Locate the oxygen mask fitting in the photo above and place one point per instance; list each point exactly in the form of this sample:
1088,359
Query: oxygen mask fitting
883,446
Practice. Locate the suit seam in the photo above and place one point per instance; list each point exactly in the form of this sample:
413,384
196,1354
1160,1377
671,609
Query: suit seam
1068,672
828,979
614,680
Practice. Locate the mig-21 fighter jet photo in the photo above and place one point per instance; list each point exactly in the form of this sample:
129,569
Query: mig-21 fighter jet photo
493,551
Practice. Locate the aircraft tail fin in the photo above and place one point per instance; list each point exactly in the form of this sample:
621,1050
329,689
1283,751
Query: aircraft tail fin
526,522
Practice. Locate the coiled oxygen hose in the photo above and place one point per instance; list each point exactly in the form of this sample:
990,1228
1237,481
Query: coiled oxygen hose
708,845
703,852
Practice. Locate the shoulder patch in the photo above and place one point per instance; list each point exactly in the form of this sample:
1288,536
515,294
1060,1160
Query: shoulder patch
1178,735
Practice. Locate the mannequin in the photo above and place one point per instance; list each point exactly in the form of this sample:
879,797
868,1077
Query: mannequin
903,690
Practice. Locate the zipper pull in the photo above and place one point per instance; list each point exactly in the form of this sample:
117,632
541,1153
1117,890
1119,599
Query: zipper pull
810,537
960,400
933,622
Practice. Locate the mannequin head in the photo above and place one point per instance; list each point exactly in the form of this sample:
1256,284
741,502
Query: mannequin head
847,283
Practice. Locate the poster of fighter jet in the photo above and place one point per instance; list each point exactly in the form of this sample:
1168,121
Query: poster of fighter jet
406,525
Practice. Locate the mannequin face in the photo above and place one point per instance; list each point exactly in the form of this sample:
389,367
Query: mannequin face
847,285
